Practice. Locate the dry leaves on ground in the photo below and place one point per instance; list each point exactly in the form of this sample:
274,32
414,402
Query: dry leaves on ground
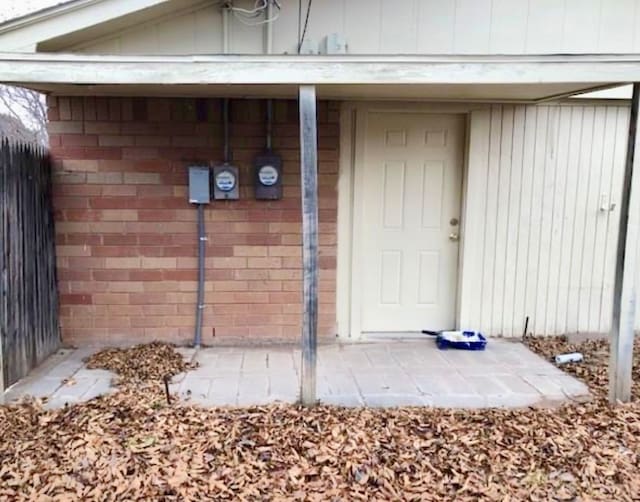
131,445
593,370
145,362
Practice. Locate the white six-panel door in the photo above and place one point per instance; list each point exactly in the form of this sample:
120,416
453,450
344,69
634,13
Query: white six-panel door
411,197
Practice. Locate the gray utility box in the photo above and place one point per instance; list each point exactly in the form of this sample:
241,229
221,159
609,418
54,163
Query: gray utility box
267,177
225,182
199,185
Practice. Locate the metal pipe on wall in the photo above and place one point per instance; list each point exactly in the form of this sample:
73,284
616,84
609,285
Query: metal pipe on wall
268,13
269,123
200,298
269,50
225,29
225,126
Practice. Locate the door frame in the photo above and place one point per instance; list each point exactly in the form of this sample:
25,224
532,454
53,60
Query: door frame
353,135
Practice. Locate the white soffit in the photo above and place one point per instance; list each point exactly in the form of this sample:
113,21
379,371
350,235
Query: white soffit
619,92
453,92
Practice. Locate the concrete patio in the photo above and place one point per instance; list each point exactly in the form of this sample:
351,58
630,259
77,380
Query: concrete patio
383,373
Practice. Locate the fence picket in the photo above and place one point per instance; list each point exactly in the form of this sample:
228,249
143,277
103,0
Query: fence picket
28,304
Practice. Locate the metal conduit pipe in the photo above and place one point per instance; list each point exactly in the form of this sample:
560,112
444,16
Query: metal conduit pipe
225,125
269,122
269,50
200,299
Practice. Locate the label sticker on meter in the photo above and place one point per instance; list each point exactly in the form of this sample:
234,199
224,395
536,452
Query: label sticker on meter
225,181
268,175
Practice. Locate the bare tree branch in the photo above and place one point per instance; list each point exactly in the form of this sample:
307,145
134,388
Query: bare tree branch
27,108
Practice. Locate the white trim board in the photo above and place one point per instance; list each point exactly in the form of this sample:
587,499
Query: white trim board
576,72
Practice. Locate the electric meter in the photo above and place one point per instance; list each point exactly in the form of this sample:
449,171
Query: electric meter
268,176
225,182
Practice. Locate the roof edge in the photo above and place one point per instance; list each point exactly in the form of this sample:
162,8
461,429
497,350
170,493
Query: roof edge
44,14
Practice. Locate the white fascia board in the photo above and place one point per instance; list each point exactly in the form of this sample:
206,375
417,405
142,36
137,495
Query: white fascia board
29,30
230,69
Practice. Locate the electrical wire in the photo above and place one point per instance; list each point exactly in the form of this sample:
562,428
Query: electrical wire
306,23
299,24
248,16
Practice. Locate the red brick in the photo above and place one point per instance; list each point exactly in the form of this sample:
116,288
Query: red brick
148,298
78,140
118,215
103,152
82,239
178,275
102,127
110,275
119,239
64,107
70,203
75,299
118,191
158,263
76,190
104,178
114,109
142,178
115,251
122,262
147,275
115,140
89,108
139,153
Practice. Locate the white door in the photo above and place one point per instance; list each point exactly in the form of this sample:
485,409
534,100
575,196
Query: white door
411,191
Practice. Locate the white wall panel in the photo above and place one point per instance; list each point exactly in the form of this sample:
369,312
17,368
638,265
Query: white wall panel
582,22
472,26
435,26
545,23
617,25
508,34
400,35
401,27
535,240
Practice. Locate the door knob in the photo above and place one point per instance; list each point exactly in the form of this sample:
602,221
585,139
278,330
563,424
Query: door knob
454,236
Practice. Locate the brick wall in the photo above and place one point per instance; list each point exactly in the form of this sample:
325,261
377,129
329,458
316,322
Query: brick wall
126,234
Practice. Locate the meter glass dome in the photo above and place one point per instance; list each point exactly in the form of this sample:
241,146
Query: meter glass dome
268,175
225,181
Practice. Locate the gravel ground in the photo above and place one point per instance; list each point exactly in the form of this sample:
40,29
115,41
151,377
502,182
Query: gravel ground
132,445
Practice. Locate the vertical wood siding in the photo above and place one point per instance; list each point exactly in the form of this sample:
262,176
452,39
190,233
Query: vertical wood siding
536,242
400,27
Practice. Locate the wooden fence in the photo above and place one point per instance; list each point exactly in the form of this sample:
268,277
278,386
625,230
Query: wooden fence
28,303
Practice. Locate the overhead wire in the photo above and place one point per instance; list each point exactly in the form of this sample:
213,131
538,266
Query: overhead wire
299,24
306,23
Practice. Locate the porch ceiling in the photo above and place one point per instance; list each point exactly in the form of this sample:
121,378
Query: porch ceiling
470,78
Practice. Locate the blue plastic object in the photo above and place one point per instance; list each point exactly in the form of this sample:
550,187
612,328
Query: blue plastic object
463,340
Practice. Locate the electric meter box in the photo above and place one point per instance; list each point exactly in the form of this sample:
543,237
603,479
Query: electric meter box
199,185
267,168
225,182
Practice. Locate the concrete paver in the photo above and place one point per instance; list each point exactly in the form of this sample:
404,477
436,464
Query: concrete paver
380,373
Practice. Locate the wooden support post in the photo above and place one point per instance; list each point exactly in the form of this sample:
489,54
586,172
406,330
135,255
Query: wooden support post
2,384
624,289
309,186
